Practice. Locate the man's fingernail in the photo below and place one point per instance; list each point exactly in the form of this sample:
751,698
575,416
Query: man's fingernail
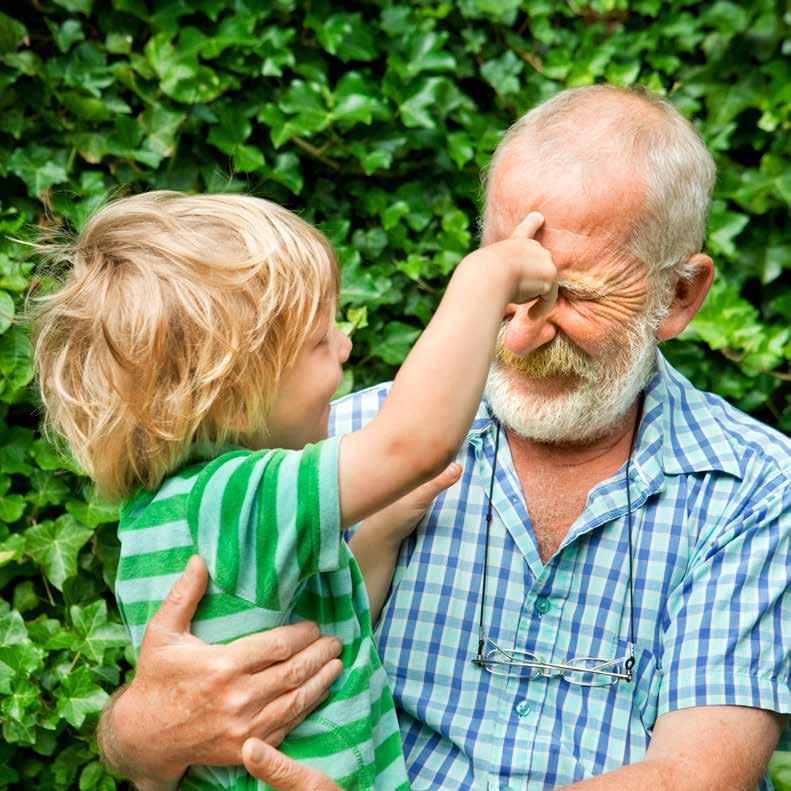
338,647
536,215
254,752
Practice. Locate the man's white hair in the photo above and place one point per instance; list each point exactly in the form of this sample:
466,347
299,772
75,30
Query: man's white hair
668,154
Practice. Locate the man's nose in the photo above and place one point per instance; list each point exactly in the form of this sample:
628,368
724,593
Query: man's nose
523,334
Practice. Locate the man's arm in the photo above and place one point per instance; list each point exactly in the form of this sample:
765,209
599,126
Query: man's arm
705,748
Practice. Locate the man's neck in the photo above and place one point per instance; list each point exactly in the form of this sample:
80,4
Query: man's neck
608,451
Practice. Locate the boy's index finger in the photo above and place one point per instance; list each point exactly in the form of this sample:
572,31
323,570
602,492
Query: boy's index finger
528,228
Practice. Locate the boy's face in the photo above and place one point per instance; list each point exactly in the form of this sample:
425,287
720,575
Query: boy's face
301,409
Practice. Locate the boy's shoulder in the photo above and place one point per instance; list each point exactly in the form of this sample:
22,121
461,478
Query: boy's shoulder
169,502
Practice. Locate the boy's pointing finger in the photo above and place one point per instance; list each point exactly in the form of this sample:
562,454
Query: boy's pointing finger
528,228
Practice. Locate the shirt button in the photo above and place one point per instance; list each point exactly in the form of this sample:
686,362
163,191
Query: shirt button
542,605
522,708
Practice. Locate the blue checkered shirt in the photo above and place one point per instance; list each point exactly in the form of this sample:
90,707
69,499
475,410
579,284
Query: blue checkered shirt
711,515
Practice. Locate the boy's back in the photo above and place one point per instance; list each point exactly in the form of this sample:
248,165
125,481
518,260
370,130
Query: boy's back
267,524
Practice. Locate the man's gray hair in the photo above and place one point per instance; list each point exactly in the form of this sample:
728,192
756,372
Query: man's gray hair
669,155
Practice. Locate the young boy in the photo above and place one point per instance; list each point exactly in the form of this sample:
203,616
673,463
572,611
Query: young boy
189,360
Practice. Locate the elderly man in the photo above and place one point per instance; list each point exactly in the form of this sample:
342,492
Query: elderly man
600,600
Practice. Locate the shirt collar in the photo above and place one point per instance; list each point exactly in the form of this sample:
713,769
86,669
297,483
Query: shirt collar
680,429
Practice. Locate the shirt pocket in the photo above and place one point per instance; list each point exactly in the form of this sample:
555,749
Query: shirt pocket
605,726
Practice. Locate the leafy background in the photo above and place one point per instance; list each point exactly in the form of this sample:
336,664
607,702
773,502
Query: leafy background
373,119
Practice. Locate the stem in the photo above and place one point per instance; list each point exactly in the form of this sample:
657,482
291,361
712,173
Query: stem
49,592
316,153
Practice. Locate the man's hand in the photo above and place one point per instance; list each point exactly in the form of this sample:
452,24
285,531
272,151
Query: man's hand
376,543
277,770
194,703
393,524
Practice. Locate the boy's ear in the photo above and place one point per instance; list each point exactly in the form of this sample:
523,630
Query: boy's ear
688,296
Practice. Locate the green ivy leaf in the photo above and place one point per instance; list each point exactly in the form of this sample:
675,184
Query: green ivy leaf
12,33
40,167
15,443
344,35
19,711
79,697
396,341
12,506
503,73
96,634
95,777
67,34
7,311
76,6
724,227
48,489
25,596
180,74
288,171
422,52
503,11
355,100
780,771
93,512
55,546
305,101
48,457
420,107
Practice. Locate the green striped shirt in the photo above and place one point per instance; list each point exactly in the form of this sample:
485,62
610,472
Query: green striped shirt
267,523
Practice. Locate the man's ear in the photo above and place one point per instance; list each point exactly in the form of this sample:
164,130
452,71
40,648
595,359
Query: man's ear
687,297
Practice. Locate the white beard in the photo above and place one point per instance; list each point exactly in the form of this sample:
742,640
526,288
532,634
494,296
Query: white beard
605,393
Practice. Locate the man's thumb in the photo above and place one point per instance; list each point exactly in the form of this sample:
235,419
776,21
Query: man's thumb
280,772
178,609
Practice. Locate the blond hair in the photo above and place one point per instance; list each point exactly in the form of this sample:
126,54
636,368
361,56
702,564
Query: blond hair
172,327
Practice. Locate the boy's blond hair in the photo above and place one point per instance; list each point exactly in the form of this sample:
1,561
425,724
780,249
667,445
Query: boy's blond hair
172,328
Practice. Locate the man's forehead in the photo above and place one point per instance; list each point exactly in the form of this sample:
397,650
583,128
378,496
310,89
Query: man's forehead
582,204
574,253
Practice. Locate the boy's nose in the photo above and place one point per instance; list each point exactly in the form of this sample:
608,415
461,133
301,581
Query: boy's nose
523,334
344,347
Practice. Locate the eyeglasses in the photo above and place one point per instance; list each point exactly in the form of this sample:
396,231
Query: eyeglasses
583,671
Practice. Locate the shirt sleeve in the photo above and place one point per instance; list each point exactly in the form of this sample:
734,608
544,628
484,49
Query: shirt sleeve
265,521
728,639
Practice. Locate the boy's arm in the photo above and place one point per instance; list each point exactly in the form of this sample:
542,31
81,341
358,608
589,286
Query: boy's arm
378,539
437,391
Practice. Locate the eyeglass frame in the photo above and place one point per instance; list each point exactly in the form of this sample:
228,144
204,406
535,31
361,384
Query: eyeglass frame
543,667
556,669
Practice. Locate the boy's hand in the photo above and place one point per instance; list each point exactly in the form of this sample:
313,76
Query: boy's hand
530,266
394,523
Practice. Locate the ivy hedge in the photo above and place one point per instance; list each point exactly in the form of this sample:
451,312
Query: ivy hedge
373,118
